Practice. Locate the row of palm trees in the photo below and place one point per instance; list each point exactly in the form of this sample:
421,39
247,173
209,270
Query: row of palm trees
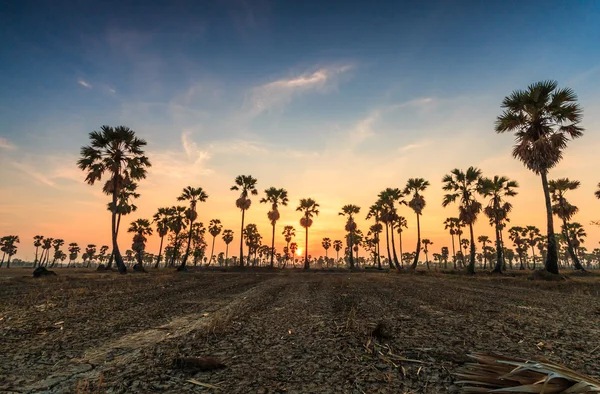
543,118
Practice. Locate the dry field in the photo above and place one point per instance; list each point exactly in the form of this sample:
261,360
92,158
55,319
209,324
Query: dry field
276,332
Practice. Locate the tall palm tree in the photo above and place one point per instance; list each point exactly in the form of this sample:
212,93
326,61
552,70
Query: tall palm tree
517,234
74,250
401,224
117,152
533,236
8,245
349,211
309,209
416,186
141,228
293,249
497,210
376,211
483,240
464,186
326,243
337,246
274,197
193,195
452,224
288,233
388,198
57,244
247,184
227,238
577,234
565,210
253,241
544,118
177,216
426,243
46,246
161,218
37,242
214,228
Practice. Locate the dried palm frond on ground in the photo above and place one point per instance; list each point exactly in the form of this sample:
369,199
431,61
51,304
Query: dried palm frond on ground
494,373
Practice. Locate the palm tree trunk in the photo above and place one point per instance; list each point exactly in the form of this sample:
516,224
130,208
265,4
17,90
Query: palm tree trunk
350,246
552,255
401,253
576,263
273,246
416,260
533,254
159,252
396,262
226,255
471,269
387,241
2,262
453,251
36,256
212,250
499,254
242,240
187,249
306,263
115,249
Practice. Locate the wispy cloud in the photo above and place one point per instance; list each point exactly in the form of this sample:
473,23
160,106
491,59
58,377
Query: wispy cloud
413,146
277,94
33,173
6,144
84,84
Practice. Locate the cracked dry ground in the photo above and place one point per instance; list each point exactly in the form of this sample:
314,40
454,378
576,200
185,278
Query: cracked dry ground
289,332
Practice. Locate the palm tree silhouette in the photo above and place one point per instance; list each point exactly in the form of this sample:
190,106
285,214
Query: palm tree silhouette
247,184
141,228
56,244
543,118
416,186
463,186
497,210
401,223
376,211
337,246
565,210
177,215
483,240
426,243
118,152
288,233
274,197
309,209
533,236
74,250
453,225
214,228
161,218
388,198
37,242
227,238
326,243
349,211
193,195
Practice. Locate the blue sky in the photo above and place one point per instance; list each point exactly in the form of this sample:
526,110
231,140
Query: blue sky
312,96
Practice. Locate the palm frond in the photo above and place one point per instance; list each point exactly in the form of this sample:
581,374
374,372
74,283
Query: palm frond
495,373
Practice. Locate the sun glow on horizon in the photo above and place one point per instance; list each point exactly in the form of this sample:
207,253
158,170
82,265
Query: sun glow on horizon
298,252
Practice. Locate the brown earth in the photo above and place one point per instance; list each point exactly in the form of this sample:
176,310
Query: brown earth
276,332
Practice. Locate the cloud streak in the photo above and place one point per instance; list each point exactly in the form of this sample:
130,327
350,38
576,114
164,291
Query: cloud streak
84,84
277,94
6,144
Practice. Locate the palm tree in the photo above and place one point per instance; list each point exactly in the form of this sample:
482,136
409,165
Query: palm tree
337,246
118,152
309,209
463,186
416,186
141,228
497,210
247,184
376,211
193,195
293,249
326,243
401,223
227,238
453,225
484,239
56,244
274,197
349,211
37,242
388,198
90,251
426,244
214,228
445,254
161,218
253,240
74,250
288,233
46,246
177,215
532,235
516,234
597,194
9,247
543,118
565,210
576,235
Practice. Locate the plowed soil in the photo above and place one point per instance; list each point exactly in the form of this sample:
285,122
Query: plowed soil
282,332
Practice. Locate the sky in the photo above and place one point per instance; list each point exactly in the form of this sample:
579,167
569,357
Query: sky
332,100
